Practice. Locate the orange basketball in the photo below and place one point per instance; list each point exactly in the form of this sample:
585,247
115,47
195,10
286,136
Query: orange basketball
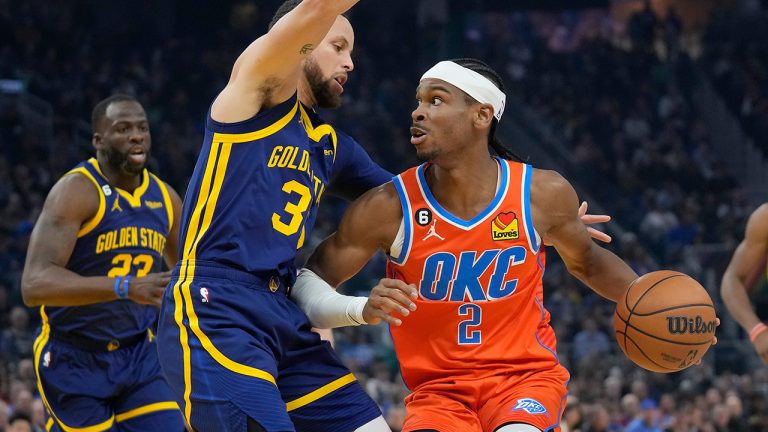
665,321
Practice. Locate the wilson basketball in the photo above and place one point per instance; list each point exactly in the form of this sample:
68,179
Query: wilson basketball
665,322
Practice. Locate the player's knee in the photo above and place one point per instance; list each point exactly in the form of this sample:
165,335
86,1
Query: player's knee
254,426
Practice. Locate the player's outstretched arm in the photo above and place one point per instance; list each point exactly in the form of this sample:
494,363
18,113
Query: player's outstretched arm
267,72
72,202
555,211
369,224
747,260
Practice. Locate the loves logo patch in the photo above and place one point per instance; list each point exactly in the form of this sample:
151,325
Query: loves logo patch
505,227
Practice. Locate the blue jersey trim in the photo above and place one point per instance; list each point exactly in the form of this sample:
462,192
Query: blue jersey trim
406,205
529,230
445,214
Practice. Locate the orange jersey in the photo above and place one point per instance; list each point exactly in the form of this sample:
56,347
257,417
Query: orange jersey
480,307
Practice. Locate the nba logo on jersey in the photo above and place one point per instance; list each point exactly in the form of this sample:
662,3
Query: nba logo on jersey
47,359
531,406
505,227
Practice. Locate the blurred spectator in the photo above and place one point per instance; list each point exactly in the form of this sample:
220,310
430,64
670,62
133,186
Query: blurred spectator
590,343
647,420
16,341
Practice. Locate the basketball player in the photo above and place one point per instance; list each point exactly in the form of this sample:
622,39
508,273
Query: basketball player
748,259
93,265
238,353
464,296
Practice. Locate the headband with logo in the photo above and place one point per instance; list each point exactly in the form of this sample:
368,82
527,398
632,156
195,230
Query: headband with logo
471,83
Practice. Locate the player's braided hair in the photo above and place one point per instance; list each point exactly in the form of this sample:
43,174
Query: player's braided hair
483,69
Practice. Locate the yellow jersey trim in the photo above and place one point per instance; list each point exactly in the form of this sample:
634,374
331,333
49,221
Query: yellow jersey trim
146,409
317,133
319,393
96,219
49,424
259,134
210,190
166,200
38,346
207,198
134,199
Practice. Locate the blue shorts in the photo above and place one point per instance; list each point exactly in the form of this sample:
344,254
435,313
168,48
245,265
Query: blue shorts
234,346
121,390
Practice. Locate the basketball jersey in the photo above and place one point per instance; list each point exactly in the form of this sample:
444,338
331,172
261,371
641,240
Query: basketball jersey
480,307
253,197
127,236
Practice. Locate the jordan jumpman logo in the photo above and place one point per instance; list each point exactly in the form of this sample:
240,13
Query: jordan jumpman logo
432,232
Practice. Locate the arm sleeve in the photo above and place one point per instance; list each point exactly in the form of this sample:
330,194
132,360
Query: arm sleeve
324,306
354,172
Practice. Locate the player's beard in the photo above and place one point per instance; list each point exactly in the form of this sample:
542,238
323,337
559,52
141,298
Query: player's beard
427,155
321,88
119,161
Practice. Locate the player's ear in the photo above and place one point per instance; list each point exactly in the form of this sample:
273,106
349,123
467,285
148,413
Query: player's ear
483,116
96,141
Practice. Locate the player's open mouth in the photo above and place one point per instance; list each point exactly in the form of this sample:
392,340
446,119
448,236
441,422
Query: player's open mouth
418,135
137,156
341,80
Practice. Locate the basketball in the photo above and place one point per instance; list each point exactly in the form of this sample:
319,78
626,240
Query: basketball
665,321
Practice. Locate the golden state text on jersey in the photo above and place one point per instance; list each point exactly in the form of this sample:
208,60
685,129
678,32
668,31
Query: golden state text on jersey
252,199
126,236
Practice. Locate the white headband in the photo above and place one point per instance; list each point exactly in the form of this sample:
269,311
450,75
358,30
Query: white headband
471,83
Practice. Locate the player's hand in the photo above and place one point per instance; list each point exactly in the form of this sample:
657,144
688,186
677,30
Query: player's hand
714,338
149,289
589,219
388,297
761,346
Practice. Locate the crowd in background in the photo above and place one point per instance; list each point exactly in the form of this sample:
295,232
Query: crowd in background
618,95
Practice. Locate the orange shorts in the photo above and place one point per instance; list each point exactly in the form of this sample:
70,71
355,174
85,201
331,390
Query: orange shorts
485,404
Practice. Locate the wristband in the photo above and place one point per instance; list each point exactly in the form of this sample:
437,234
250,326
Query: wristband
126,285
756,331
118,281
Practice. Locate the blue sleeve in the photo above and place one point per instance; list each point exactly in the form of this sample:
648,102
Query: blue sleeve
354,172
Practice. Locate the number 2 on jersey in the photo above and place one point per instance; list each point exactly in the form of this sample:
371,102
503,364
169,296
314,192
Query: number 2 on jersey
295,210
469,334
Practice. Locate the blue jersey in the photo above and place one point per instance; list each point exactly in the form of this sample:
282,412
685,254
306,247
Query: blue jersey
253,197
126,237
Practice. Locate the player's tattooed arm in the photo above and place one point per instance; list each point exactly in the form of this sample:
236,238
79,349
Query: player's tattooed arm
275,58
306,49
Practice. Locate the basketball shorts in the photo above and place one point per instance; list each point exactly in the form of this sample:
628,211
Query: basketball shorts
485,404
120,390
234,346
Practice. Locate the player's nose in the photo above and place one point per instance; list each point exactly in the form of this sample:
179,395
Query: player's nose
347,62
418,114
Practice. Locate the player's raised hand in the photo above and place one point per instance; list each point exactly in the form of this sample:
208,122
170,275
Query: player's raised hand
590,219
389,297
714,339
149,289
